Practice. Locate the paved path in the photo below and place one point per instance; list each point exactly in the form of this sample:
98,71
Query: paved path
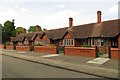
17,68
94,70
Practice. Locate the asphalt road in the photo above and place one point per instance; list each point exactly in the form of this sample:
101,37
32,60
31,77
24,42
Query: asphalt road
17,68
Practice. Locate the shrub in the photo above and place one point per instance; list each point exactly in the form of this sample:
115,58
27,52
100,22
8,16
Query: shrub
52,44
7,43
85,45
100,53
38,45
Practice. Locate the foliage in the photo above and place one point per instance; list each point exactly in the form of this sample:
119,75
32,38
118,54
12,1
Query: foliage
7,43
8,30
38,45
100,53
19,30
85,45
33,29
52,44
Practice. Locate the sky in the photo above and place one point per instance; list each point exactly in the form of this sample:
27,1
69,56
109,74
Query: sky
53,14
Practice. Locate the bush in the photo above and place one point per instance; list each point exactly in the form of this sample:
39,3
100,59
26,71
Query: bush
100,53
38,45
52,44
7,43
85,45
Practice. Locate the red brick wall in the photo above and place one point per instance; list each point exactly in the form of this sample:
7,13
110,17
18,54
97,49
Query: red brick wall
8,47
89,52
23,48
1,46
45,49
115,53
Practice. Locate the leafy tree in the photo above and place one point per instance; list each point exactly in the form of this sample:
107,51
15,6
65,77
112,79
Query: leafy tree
8,31
19,30
1,32
33,29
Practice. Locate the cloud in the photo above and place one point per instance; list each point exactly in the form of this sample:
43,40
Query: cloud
59,19
114,9
58,6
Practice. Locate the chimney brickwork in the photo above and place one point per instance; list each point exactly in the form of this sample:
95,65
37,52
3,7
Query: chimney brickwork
99,13
70,22
37,28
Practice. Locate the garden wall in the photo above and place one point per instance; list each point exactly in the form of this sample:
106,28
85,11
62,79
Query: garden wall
88,52
1,46
23,48
115,53
9,47
45,49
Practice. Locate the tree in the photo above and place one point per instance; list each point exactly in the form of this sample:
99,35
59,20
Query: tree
8,31
19,30
1,32
33,29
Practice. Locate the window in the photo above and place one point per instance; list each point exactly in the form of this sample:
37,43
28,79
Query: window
37,42
102,42
45,42
92,42
69,42
60,42
89,41
26,42
114,43
19,43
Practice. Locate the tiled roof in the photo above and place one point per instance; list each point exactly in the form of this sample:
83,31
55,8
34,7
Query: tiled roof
20,38
56,33
104,29
13,39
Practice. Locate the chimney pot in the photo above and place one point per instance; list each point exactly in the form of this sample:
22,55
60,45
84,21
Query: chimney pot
99,13
37,28
16,33
24,31
70,22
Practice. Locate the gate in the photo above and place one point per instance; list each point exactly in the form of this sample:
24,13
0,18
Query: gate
60,49
31,48
14,47
104,52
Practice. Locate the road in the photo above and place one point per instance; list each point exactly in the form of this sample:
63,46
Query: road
17,68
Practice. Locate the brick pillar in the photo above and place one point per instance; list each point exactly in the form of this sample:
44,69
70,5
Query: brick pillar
119,41
24,31
70,22
37,28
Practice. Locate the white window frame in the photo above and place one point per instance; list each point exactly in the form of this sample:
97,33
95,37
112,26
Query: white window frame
92,40
69,42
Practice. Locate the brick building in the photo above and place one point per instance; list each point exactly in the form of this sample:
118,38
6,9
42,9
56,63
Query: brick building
100,33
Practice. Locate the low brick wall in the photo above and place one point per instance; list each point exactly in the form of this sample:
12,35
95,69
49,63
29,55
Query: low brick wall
1,46
45,49
23,48
9,47
88,52
115,53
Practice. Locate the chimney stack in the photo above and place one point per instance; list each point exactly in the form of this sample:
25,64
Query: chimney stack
99,13
16,33
70,22
37,28
24,31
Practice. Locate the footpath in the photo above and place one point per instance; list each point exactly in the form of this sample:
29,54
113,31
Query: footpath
102,67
